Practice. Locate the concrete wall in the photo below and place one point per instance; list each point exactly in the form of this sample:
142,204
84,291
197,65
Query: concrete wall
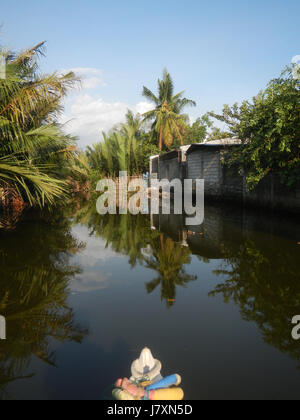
233,184
169,169
225,184
154,165
206,164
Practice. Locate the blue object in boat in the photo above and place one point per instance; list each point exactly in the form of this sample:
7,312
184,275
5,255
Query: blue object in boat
165,383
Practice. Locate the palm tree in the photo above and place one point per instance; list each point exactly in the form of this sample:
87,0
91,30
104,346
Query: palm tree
120,149
33,147
169,122
133,122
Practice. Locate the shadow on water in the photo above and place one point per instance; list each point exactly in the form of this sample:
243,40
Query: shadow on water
34,277
258,253
134,237
259,265
255,259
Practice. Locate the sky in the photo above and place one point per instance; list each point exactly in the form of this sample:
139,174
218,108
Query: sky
218,51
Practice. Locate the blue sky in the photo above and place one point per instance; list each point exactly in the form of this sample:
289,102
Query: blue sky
217,51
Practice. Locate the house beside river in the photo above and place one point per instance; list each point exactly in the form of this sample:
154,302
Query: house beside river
205,161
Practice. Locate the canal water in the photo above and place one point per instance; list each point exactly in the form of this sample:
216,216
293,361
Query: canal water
83,294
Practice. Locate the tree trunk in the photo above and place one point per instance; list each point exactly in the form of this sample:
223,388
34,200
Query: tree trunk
161,139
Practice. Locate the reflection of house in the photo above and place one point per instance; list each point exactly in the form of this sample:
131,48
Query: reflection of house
205,161
225,228
205,240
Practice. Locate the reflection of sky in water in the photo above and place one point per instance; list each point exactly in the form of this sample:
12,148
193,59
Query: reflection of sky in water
93,258
205,338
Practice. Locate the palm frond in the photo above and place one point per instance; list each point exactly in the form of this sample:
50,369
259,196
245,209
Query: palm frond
168,122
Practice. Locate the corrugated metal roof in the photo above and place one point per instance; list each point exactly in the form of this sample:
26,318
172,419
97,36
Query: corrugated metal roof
218,144
231,141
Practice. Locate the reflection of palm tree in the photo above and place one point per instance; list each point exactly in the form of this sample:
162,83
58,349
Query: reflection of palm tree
125,234
168,259
34,293
264,282
132,236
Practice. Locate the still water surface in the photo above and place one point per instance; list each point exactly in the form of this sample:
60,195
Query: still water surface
83,294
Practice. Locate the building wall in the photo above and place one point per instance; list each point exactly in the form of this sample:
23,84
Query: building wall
154,165
233,184
206,164
169,169
225,183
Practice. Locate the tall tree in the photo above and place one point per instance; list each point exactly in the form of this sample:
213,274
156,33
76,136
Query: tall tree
168,121
269,126
121,149
33,147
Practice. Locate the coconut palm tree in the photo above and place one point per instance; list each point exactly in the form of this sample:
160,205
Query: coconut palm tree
168,122
33,148
134,123
120,149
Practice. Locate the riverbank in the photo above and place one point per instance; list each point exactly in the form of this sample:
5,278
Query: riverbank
222,183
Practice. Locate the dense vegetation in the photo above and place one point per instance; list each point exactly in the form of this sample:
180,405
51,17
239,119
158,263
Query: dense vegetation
34,294
38,161
269,127
40,165
128,146
132,236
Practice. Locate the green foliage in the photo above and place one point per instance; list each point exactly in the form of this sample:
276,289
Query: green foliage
218,134
269,127
148,148
132,236
35,155
168,122
261,277
198,132
125,148
34,294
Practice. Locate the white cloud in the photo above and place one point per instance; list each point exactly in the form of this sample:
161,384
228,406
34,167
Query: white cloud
91,78
92,259
95,253
89,282
88,116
